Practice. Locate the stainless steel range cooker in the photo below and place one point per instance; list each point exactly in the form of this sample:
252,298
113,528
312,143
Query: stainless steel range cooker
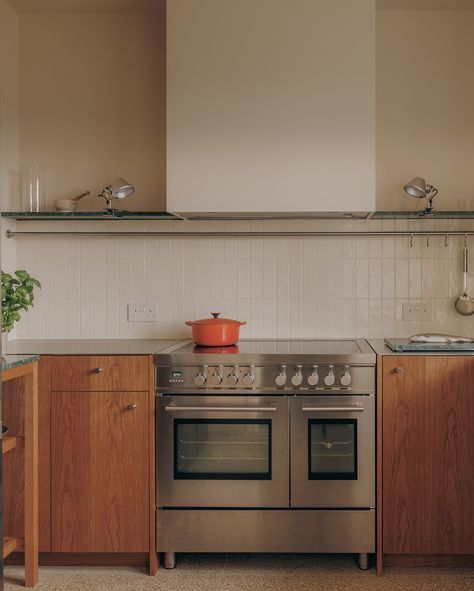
268,446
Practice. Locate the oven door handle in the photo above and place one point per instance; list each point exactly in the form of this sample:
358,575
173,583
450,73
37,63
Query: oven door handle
332,409
220,409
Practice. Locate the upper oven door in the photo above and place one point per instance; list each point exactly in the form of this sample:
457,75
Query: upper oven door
222,451
333,451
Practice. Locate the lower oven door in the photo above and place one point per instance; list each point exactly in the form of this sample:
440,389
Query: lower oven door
222,451
333,451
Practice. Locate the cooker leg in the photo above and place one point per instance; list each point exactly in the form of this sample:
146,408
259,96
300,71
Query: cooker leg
363,561
169,560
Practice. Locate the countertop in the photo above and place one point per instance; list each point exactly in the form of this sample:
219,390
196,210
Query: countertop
380,348
93,346
11,361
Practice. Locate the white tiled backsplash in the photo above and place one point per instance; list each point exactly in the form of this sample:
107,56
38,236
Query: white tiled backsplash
283,287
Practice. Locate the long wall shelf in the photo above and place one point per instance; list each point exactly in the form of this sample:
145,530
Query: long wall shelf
164,215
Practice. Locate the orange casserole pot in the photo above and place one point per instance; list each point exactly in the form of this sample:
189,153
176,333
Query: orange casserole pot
215,332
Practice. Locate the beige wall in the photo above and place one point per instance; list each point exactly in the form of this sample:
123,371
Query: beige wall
92,103
9,125
425,106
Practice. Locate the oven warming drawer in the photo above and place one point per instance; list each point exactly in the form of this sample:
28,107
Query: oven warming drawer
265,530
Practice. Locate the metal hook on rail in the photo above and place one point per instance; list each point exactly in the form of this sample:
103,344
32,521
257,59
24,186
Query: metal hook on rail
411,240
465,240
446,240
427,240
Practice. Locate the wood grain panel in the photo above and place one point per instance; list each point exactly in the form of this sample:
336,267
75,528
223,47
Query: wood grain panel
100,373
13,416
428,455
153,560
99,465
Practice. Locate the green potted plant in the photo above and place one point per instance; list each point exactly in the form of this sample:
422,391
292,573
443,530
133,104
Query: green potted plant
17,296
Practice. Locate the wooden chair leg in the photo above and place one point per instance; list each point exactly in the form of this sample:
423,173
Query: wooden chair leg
31,477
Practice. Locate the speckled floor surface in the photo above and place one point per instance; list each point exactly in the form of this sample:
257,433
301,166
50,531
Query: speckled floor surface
242,572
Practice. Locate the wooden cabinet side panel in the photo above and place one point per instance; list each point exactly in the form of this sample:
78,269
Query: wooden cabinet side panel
13,462
100,494
428,455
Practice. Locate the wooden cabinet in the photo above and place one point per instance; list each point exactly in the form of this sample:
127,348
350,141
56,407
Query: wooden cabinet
99,471
428,455
96,459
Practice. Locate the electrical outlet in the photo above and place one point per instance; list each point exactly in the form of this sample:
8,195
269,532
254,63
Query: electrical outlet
417,311
141,313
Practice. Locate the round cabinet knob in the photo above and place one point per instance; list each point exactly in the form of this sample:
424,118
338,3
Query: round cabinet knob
98,370
132,406
249,379
330,378
232,379
200,379
313,377
297,379
215,379
346,377
280,380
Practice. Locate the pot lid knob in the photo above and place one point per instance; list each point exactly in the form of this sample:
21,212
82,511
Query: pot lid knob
216,314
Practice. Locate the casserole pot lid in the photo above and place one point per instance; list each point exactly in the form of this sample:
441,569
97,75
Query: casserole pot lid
215,320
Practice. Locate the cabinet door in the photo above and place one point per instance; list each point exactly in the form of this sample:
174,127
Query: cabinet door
99,471
428,455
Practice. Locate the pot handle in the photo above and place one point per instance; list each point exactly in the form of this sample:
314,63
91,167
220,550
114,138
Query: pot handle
242,323
189,323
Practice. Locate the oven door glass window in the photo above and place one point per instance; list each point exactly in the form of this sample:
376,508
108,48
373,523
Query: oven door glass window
332,451
222,449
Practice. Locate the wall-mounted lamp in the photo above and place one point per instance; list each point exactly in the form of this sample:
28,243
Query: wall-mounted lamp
119,189
419,188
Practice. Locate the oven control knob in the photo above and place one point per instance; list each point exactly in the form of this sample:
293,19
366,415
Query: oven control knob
280,380
232,379
215,379
249,378
297,379
330,377
313,377
200,379
346,378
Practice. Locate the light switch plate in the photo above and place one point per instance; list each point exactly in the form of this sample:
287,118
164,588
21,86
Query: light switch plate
141,313
417,311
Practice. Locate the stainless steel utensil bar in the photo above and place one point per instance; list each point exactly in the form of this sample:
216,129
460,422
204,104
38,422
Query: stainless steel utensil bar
220,409
77,234
332,409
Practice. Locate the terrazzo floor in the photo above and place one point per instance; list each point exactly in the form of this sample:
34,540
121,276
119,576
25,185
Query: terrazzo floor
243,572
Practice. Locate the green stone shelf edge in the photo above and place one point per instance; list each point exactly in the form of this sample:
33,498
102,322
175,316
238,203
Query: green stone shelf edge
88,215
164,215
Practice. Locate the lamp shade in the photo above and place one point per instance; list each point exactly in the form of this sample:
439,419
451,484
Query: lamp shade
417,188
120,189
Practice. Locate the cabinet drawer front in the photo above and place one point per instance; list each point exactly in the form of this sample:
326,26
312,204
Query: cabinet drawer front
84,373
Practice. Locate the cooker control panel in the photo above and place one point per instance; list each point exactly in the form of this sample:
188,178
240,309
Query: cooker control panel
267,377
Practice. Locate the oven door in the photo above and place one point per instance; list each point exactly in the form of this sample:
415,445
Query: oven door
333,451
222,451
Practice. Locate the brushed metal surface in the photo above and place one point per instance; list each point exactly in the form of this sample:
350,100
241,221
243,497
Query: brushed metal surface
332,493
265,530
362,378
173,492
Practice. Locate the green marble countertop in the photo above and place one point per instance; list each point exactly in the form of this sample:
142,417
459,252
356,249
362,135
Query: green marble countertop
11,361
380,347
